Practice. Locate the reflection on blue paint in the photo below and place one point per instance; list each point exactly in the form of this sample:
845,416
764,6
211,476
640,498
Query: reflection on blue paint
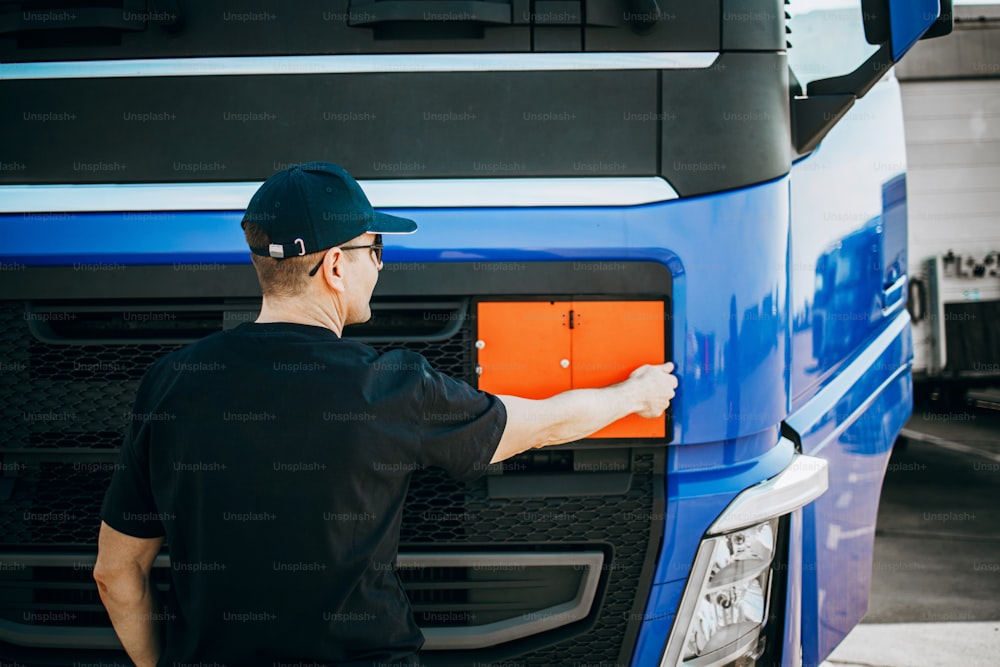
848,281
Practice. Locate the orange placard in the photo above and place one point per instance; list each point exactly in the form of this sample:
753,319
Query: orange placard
610,339
522,346
536,349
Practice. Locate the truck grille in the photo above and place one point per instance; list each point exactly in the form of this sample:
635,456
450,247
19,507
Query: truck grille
65,402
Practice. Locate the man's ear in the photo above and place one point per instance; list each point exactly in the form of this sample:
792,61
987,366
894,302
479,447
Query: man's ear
333,269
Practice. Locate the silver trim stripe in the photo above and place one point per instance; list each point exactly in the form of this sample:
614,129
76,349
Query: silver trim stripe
804,480
818,407
401,193
357,64
484,635
450,638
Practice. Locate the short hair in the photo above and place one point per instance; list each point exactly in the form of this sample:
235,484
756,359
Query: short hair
278,277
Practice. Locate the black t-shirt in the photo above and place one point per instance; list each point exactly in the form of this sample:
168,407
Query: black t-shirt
275,458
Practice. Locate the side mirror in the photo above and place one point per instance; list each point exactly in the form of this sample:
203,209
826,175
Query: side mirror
893,25
944,23
900,23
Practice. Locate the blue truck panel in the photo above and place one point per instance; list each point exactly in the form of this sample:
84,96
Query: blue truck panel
855,435
851,350
731,340
848,231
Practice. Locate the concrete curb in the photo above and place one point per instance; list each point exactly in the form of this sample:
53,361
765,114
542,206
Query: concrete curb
919,644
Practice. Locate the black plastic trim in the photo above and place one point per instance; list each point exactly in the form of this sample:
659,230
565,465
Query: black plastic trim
793,435
569,484
20,656
663,25
67,323
125,17
658,520
703,130
383,125
726,126
753,25
814,117
827,100
944,24
456,279
773,632
386,11
858,82
878,29
163,281
209,28
454,318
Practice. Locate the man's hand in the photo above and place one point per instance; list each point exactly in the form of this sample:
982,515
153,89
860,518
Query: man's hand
654,387
577,413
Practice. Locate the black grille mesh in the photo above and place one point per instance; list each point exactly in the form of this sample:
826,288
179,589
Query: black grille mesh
61,429
48,400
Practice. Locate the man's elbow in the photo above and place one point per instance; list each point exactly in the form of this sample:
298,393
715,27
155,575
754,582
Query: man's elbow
107,578
121,585
553,434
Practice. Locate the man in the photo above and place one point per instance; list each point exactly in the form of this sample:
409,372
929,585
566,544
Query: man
275,457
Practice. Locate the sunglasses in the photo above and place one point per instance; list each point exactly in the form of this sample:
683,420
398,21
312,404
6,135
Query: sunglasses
376,249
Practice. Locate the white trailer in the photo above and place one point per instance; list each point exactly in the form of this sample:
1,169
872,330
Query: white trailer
951,105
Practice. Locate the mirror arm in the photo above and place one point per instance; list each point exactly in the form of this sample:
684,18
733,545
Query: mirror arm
858,82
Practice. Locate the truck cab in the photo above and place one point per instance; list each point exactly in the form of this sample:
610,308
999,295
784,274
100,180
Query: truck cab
598,184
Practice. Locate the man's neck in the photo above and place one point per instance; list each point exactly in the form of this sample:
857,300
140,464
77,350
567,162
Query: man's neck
299,311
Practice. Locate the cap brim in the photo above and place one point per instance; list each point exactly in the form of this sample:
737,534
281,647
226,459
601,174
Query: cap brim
391,224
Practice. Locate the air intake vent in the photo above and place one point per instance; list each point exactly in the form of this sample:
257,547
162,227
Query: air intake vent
123,322
411,321
163,323
462,600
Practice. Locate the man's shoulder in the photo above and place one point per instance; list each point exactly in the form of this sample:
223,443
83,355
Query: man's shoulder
200,358
399,360
199,351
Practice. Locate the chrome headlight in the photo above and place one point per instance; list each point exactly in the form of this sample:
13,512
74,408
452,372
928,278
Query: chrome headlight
725,603
732,604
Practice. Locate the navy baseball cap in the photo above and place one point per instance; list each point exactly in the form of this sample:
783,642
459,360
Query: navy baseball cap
314,206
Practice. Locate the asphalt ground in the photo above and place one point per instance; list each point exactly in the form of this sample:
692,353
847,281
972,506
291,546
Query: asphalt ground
935,598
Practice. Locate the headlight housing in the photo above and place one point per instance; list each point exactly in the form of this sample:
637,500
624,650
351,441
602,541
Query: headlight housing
722,620
732,603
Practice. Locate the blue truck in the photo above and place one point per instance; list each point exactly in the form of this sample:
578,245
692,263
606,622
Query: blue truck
597,183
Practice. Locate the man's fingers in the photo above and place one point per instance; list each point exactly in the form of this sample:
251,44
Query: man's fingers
666,368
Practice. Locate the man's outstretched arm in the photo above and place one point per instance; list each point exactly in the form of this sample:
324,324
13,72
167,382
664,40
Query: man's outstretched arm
577,413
